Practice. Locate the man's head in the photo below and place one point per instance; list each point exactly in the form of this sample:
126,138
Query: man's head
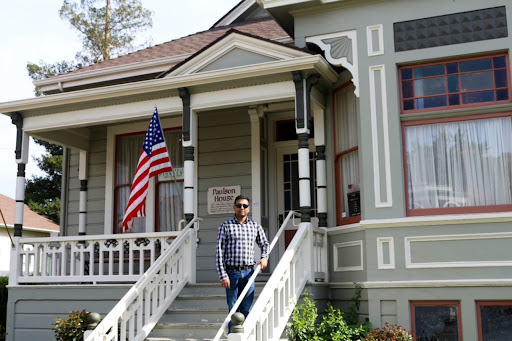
242,207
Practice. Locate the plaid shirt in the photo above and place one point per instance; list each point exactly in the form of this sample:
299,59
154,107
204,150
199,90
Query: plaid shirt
235,244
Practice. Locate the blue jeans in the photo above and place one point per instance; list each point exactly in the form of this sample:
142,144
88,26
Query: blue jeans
238,280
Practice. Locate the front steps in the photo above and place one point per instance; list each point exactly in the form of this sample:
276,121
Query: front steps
196,314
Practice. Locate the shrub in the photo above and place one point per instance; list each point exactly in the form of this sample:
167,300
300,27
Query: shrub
3,334
304,326
390,332
72,328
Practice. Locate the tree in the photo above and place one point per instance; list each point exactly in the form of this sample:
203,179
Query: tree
107,31
42,193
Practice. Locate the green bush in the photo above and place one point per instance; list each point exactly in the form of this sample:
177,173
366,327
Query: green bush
3,305
305,327
72,328
390,332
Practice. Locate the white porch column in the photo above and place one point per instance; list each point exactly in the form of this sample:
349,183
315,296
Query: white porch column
22,144
321,173
189,143
82,176
255,114
303,124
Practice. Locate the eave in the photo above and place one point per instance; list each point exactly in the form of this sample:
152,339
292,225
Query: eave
314,63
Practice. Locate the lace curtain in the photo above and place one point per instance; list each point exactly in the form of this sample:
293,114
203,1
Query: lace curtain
456,164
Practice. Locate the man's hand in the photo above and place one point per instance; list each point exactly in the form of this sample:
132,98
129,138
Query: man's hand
225,283
263,262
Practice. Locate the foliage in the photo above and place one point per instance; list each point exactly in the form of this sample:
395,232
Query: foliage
304,326
390,332
107,27
44,70
42,193
3,305
3,334
72,328
353,310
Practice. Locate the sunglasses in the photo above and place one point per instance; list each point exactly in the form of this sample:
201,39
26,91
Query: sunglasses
241,205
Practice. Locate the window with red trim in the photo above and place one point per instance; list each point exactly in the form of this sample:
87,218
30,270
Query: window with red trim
463,163
168,188
456,83
494,320
438,320
346,134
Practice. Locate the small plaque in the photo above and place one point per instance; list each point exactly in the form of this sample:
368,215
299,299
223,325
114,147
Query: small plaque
354,204
221,199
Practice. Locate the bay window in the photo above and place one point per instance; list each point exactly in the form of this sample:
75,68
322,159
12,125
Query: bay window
461,163
346,119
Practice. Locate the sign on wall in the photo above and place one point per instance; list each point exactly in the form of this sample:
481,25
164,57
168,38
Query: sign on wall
221,199
176,174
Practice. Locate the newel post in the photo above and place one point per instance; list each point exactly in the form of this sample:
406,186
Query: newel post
237,330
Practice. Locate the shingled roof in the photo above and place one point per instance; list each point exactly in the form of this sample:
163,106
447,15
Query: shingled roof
30,218
265,28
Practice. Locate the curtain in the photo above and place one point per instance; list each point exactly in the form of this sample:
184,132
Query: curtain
456,164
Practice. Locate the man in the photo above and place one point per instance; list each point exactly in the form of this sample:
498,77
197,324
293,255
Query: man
235,254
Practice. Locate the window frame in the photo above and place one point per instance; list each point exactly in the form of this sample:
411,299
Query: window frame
414,304
151,190
479,304
459,106
338,166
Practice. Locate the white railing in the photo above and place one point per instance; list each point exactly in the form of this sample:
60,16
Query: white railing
223,329
141,308
82,259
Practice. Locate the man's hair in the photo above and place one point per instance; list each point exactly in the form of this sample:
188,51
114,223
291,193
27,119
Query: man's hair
242,197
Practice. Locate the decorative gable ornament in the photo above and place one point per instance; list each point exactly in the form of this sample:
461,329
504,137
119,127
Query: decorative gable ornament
341,50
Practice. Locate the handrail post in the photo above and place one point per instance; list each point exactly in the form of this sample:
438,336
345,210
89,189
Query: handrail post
237,330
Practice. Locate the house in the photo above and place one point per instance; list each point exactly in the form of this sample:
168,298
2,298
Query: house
376,133
35,226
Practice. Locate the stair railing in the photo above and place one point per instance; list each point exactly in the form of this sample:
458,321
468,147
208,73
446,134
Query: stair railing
136,314
223,328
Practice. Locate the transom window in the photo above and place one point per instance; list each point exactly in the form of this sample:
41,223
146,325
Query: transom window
455,83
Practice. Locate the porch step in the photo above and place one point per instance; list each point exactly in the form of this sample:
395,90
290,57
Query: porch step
195,315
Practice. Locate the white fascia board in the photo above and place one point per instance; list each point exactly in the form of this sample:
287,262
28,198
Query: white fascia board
311,62
278,3
106,74
231,42
236,13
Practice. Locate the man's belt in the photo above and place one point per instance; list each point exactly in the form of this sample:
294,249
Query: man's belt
239,267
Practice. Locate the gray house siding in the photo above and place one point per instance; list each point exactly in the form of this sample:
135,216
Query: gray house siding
34,309
223,159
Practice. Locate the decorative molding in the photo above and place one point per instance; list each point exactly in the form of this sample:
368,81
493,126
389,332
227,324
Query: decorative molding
380,42
455,283
376,141
340,50
457,264
457,28
380,253
338,246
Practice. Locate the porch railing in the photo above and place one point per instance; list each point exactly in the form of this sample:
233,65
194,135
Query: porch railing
83,259
143,305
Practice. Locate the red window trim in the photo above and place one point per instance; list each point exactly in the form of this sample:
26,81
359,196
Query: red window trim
117,187
448,210
451,107
479,314
337,165
414,304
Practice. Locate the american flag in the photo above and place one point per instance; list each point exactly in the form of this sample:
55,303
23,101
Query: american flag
153,160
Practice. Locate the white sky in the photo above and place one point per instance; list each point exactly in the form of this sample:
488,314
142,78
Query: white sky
31,30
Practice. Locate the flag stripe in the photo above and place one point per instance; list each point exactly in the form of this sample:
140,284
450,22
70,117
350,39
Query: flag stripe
154,159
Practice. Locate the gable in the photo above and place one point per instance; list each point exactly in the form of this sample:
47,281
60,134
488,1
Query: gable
235,49
236,57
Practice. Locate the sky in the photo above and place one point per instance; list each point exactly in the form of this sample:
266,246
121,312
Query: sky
32,30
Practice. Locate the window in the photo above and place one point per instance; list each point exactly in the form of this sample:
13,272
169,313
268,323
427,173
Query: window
432,321
461,163
168,186
346,125
458,83
494,321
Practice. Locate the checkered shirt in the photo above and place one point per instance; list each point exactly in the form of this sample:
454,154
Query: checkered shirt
235,244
